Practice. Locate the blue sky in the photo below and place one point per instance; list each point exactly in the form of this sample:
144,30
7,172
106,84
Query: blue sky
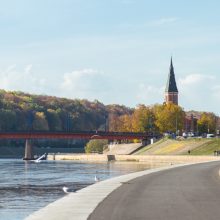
116,51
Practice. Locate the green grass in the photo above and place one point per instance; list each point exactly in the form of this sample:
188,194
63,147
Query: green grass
207,148
148,147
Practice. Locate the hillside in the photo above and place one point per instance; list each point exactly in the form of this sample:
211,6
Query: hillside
22,111
200,146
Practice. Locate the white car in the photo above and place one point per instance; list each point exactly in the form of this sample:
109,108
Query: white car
210,136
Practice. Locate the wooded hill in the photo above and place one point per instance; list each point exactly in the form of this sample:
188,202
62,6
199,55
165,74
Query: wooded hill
20,111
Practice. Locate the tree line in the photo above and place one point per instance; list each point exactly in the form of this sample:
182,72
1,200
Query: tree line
20,111
168,118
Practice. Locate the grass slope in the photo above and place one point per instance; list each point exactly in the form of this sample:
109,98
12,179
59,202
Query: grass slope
207,148
202,146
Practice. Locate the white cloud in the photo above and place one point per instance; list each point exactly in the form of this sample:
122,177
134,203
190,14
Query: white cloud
196,90
194,79
194,87
148,94
84,83
24,80
77,79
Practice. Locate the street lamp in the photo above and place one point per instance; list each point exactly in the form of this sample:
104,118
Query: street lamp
176,125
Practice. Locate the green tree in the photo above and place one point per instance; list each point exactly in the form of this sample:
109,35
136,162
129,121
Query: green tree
96,146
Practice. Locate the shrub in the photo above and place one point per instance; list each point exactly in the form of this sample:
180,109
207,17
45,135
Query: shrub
95,146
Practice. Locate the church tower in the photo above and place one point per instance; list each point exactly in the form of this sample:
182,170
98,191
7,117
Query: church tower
171,91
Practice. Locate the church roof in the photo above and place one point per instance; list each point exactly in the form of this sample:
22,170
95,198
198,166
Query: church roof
171,82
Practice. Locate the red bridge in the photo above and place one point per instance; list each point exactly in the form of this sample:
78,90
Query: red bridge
76,135
30,135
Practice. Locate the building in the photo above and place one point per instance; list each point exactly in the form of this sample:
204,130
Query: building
190,122
171,96
171,91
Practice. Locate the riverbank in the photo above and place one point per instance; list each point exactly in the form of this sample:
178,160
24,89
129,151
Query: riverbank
150,159
81,204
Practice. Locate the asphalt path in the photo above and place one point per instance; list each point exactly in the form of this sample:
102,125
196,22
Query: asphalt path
183,193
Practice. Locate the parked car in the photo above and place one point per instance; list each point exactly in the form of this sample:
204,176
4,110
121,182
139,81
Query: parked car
210,136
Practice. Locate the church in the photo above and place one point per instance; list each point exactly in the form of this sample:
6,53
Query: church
171,96
171,91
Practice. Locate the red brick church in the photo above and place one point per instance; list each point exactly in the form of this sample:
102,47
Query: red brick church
171,96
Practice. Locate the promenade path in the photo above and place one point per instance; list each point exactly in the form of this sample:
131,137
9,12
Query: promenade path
183,193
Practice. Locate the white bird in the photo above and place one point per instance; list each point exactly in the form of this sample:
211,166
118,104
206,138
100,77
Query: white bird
96,179
65,189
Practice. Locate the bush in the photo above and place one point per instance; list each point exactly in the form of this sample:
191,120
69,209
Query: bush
95,146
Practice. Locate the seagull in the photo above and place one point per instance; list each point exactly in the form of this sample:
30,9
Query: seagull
96,179
65,189
68,190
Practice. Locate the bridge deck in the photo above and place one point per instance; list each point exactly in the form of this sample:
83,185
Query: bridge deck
75,135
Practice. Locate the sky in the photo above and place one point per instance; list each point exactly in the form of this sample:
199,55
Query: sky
114,51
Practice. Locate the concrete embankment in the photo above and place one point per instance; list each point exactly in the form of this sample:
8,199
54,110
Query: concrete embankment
151,159
124,149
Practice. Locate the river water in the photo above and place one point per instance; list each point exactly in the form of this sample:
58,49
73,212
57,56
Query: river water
27,186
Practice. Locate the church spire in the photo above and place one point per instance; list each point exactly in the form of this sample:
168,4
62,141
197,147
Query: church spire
171,91
171,64
171,82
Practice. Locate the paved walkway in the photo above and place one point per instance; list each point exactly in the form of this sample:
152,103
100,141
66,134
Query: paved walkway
184,193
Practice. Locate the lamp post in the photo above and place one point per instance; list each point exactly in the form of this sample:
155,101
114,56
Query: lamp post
176,125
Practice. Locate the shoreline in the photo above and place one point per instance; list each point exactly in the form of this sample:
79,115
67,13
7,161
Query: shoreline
151,159
81,204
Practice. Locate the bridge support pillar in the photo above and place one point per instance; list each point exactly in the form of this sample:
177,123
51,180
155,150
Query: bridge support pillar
29,154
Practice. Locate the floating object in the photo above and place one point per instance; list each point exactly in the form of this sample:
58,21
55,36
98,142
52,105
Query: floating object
38,160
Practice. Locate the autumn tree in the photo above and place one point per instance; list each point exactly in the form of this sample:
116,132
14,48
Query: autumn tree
169,117
207,123
143,119
125,123
115,122
53,120
40,122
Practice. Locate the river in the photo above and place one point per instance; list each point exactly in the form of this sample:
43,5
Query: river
27,186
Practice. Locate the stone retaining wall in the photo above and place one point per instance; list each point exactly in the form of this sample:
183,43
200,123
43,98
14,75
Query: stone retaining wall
133,158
